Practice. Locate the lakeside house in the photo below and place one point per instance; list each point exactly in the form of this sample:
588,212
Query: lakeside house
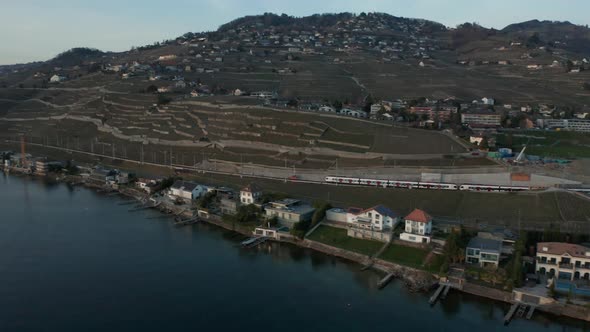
147,185
228,205
566,261
418,227
376,223
289,211
377,218
483,251
102,175
187,190
566,265
250,194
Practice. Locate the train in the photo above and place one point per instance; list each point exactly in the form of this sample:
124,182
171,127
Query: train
422,185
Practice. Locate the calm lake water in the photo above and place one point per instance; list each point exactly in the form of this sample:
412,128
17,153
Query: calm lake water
75,260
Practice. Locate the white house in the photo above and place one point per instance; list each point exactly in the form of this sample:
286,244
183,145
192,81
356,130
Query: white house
375,108
57,78
187,190
483,251
418,227
146,185
487,101
377,218
353,112
250,194
326,108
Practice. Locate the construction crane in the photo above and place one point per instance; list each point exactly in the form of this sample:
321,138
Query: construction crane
521,154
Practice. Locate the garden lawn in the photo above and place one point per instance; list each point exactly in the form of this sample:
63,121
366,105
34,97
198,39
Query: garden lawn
337,237
409,256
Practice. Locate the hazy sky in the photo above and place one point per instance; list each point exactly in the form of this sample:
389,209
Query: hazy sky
33,30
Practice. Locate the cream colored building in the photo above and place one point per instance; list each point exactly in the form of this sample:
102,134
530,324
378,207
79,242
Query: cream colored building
566,261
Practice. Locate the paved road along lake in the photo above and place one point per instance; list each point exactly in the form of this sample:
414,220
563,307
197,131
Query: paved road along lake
75,260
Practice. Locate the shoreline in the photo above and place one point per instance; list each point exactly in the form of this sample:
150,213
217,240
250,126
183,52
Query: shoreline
414,279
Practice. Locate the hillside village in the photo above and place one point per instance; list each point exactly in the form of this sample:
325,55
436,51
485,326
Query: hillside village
201,65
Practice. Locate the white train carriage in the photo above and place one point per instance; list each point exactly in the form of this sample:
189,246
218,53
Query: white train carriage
342,180
437,186
513,188
479,187
373,182
403,184
331,179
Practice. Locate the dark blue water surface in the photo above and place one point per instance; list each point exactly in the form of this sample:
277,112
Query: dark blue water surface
75,260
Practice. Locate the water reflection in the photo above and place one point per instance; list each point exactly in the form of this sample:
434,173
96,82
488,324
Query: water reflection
208,273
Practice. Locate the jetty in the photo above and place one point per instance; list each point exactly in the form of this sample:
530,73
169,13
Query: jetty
530,313
445,292
144,207
511,313
436,294
186,222
383,282
254,241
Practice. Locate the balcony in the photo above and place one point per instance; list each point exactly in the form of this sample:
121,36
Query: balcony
568,266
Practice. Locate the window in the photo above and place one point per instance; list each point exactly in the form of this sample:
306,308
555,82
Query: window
489,257
470,252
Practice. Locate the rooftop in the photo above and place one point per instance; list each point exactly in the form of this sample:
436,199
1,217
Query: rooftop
286,202
485,244
383,210
561,248
419,216
252,187
184,185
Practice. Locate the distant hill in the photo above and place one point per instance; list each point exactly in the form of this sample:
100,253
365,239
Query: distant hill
574,38
76,56
342,56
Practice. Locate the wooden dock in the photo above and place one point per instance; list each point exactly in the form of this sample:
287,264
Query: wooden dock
144,207
445,292
521,310
367,266
253,242
383,282
530,313
511,312
186,222
436,294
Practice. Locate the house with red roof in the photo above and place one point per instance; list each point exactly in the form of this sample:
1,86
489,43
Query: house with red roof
418,227
250,194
